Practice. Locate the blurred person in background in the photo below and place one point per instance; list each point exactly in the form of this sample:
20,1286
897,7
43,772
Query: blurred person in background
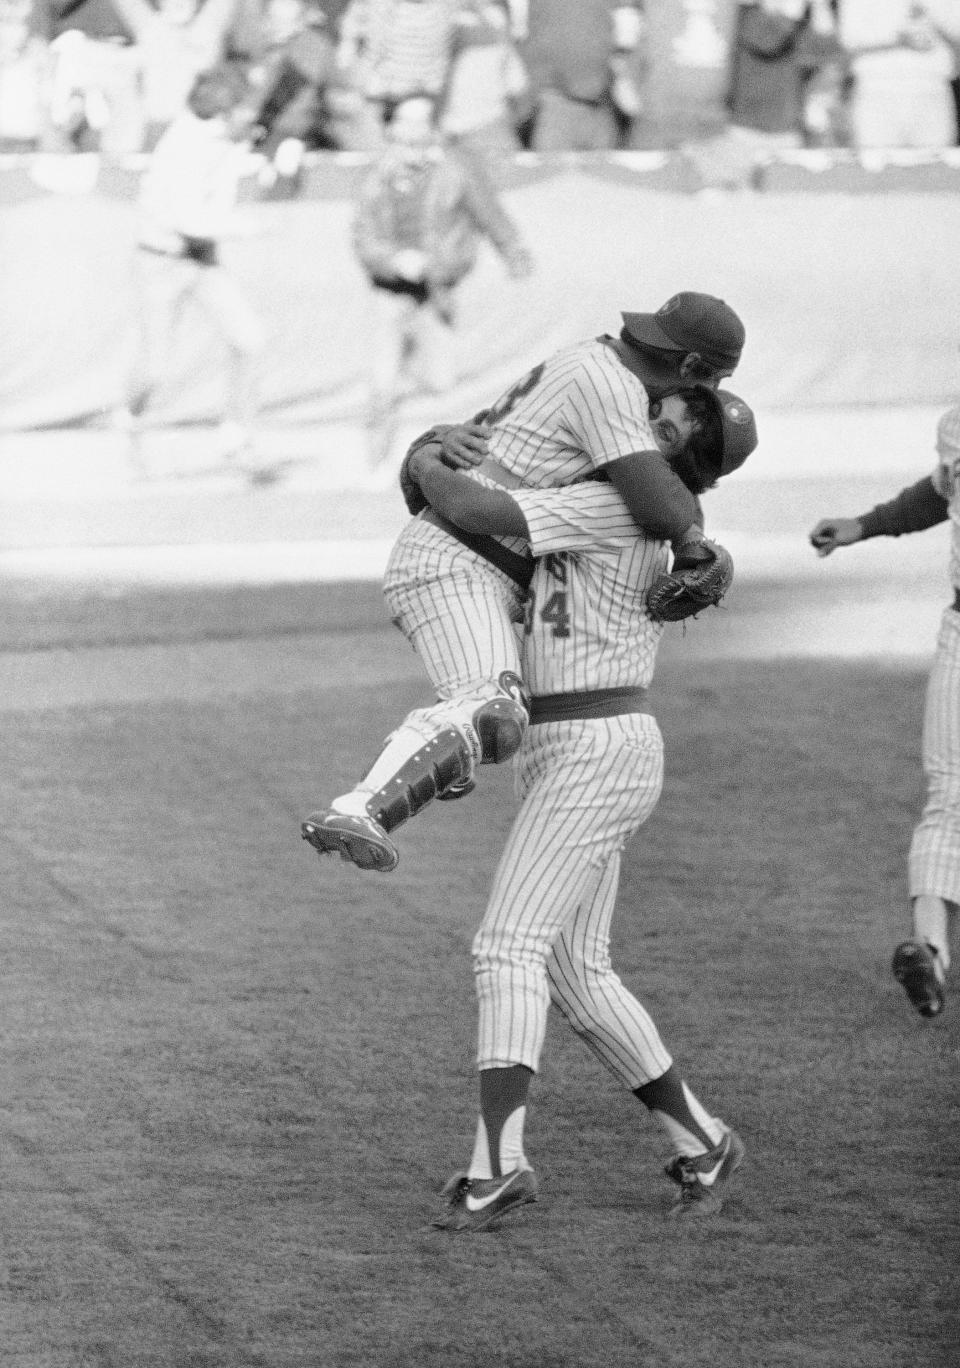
902,62
300,90
487,97
578,55
786,89
92,91
188,206
23,66
422,212
175,41
393,50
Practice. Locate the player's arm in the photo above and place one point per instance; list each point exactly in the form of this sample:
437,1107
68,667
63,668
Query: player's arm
462,500
914,509
659,502
461,445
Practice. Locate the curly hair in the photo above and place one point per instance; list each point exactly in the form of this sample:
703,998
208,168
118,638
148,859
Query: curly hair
698,463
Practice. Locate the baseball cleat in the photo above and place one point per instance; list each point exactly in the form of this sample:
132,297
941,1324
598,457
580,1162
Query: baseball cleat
703,1178
360,840
474,1204
914,965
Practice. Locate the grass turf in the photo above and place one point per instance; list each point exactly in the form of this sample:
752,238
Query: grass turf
236,1075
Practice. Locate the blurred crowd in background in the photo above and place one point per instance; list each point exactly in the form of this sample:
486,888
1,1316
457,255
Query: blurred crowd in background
109,76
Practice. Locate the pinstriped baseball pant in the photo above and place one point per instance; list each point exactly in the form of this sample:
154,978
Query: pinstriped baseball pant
585,787
456,610
934,861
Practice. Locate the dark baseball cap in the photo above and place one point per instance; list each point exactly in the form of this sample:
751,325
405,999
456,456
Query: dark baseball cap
738,428
691,322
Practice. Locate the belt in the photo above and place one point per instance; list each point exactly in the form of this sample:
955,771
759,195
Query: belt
956,601
571,707
518,568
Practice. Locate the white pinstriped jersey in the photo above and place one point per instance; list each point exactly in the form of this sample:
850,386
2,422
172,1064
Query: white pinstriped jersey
566,418
587,625
946,480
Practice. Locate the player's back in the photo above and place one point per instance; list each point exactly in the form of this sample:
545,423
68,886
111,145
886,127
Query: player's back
587,626
569,416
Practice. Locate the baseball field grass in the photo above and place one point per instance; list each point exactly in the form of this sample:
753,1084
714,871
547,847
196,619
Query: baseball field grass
235,1076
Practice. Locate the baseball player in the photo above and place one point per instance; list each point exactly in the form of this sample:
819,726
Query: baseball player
921,963
188,204
589,774
456,595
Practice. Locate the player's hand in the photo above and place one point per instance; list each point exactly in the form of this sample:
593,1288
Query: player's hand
830,533
464,444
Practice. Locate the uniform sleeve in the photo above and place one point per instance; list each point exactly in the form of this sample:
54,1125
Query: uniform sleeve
946,477
607,412
575,517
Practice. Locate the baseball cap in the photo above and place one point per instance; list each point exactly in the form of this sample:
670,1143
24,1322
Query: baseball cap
738,426
691,322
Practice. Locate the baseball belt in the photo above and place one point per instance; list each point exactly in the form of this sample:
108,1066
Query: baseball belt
518,568
571,707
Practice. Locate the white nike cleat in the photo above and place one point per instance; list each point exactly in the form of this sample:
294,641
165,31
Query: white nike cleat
479,1203
703,1178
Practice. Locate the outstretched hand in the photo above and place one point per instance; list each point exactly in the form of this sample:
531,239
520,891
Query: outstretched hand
830,533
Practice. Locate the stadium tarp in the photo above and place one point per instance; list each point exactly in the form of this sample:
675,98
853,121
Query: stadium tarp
844,272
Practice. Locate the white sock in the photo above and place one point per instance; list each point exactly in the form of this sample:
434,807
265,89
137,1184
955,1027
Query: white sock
511,1142
930,918
399,746
480,1166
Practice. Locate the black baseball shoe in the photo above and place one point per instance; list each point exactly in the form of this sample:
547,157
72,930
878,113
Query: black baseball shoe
914,965
360,840
473,1204
703,1178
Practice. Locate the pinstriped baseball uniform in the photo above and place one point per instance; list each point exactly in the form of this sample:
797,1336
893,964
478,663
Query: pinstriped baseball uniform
567,417
586,784
934,862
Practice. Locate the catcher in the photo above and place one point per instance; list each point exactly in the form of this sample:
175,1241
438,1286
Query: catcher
701,435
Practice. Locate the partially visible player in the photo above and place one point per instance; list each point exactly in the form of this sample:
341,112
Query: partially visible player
589,774
921,963
188,205
583,412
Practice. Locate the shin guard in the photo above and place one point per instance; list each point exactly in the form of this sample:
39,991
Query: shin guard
441,763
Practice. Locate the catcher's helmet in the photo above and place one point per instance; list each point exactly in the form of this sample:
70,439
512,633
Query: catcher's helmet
738,428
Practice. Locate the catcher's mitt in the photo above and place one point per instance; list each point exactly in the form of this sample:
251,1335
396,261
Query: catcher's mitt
702,573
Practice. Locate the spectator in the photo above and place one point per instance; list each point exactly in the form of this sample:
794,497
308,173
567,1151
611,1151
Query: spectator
783,51
188,205
902,66
487,94
575,52
422,211
175,42
296,77
23,60
397,49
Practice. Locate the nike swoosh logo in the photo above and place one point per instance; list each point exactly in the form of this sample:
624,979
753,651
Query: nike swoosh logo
479,1203
708,1177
